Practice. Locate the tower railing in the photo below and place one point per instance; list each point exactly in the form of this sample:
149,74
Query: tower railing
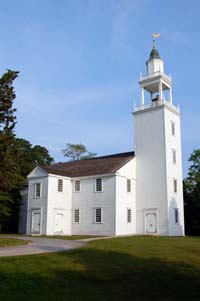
157,104
157,73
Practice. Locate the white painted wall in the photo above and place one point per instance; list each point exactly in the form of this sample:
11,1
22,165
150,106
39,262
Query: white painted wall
174,171
51,201
60,202
37,175
155,65
154,169
125,200
87,200
151,190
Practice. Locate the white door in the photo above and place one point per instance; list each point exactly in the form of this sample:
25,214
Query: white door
59,222
151,223
36,217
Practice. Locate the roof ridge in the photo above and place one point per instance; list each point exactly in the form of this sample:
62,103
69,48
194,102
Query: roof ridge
131,153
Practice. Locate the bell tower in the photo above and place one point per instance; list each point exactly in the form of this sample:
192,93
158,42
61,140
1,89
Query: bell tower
159,192
155,82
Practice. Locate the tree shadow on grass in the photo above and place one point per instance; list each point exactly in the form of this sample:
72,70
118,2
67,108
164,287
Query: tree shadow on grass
91,274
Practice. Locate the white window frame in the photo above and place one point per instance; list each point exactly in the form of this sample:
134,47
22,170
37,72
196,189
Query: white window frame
176,216
35,196
74,221
98,191
173,128
58,185
175,185
128,185
95,216
174,156
127,215
75,185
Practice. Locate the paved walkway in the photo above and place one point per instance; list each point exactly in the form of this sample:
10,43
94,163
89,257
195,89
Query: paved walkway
40,245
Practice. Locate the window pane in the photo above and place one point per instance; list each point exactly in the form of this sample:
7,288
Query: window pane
128,185
174,156
175,185
76,215
129,215
98,215
77,185
60,185
173,128
99,184
38,190
176,212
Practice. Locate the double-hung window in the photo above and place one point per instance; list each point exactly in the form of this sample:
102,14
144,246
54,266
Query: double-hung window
128,183
76,216
77,186
98,215
175,185
173,156
98,185
176,215
37,190
60,185
129,215
173,129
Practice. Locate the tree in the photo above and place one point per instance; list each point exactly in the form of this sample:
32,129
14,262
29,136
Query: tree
17,156
192,195
77,152
29,157
10,177
8,165
24,156
41,156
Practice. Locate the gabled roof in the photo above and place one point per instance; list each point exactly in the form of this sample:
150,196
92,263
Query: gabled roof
90,167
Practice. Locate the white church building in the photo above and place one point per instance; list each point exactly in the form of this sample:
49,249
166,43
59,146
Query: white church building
136,192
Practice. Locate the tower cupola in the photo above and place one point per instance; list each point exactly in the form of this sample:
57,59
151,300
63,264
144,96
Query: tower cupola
156,82
154,63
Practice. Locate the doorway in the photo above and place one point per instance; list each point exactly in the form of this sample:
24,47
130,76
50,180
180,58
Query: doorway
36,221
59,219
151,223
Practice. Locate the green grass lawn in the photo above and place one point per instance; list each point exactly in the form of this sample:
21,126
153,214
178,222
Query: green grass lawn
129,268
7,242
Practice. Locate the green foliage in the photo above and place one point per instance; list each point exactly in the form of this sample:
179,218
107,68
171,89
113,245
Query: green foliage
17,156
7,96
10,178
41,156
29,157
5,201
191,186
77,152
9,173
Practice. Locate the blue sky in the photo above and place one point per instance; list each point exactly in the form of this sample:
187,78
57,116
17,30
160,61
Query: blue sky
79,63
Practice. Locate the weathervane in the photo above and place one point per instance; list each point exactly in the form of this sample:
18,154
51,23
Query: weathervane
155,36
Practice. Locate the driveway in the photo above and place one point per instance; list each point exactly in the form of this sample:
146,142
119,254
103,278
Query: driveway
40,245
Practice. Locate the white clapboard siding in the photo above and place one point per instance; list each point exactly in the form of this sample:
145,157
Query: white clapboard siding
87,200
125,200
59,202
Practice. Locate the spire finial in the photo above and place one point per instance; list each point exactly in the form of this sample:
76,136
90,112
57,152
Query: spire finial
154,37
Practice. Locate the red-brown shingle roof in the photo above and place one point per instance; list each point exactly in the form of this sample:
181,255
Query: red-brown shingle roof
90,167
